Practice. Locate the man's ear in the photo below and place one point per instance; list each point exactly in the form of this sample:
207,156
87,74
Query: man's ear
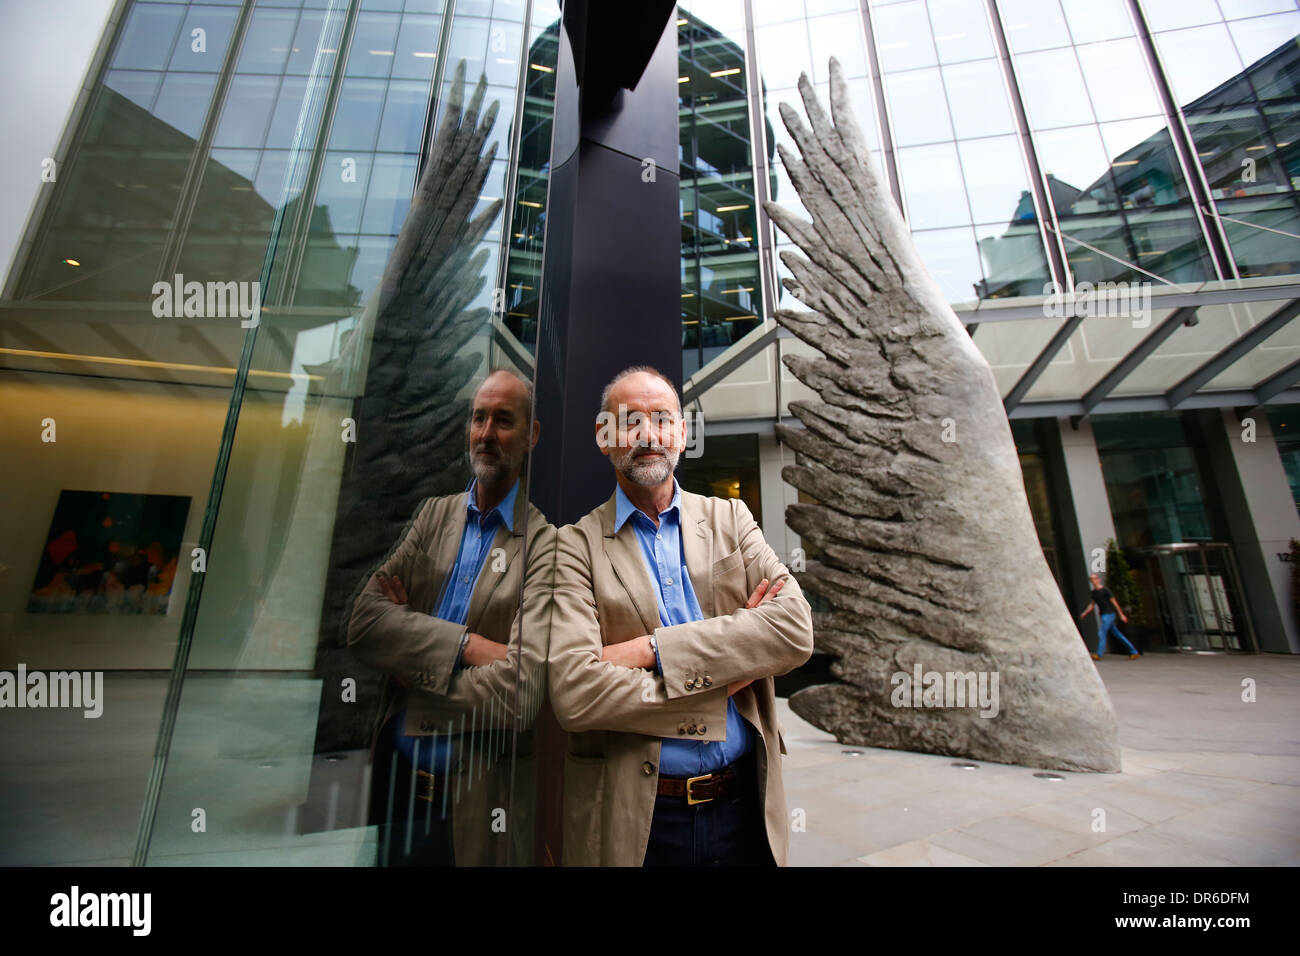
537,432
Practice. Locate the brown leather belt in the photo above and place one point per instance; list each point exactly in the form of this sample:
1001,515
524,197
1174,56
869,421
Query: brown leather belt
700,789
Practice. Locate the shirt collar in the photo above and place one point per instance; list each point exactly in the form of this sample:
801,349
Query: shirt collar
624,509
506,509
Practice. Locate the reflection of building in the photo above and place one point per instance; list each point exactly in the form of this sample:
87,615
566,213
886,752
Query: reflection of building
1026,142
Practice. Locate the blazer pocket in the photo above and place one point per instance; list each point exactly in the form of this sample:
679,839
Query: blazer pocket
729,585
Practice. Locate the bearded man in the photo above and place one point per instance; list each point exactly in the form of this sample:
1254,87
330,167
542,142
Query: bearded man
465,658
671,615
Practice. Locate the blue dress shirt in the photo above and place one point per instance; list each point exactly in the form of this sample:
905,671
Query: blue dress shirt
433,753
662,550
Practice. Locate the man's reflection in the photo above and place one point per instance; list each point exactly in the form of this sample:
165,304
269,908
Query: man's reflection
444,618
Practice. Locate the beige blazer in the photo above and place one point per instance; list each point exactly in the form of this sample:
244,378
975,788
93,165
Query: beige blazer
617,716
478,705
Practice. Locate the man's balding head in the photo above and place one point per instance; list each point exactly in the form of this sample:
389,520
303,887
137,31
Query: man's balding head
501,428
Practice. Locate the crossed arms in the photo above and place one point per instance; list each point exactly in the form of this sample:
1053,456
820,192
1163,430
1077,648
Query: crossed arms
590,690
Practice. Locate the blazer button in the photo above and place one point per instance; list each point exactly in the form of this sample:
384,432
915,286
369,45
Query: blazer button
708,681
648,767
703,728
681,728
690,684
699,682
691,729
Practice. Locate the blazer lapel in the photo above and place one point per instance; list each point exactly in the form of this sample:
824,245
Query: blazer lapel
447,546
489,579
624,554
697,543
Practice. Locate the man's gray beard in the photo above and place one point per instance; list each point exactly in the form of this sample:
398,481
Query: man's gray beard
490,472
648,474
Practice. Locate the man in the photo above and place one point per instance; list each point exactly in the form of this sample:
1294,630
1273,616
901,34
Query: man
441,618
1107,607
670,617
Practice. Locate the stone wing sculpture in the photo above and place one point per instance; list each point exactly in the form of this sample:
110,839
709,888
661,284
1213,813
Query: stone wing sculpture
407,360
931,573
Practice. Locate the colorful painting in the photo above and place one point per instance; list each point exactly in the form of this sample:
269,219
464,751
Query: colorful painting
110,553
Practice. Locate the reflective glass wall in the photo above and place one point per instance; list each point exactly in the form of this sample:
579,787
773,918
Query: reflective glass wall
257,308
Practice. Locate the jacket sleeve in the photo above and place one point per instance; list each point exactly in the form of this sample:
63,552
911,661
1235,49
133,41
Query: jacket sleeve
512,689
590,694
749,643
416,648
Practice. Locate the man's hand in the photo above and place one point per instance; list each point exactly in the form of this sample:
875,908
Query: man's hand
481,650
634,653
762,594
392,588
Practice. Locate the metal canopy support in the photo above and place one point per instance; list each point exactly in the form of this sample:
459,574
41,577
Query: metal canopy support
1040,363
1278,383
1253,337
720,370
1125,366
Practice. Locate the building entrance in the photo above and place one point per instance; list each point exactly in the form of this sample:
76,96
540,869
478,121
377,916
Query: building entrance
1192,596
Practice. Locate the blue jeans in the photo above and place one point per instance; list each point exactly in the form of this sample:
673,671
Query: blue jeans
1108,625
729,831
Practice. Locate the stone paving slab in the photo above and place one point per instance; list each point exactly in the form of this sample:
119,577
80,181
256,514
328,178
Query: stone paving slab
1209,779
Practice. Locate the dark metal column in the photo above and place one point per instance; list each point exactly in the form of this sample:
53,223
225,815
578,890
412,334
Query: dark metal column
611,287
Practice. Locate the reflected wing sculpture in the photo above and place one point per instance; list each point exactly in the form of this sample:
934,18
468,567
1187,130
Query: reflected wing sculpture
408,361
949,632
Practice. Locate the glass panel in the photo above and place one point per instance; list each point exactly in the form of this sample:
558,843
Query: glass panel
904,40
917,107
1053,90
977,96
1033,24
1013,259
953,261
298,737
1118,83
995,178
932,186
1093,20
722,293
961,30
1286,432
1172,14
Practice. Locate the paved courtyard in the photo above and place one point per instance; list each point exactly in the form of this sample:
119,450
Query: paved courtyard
1208,780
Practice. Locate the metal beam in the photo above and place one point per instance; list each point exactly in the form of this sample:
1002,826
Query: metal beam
1040,363
1125,366
990,310
722,367
1245,343
1277,384
1228,398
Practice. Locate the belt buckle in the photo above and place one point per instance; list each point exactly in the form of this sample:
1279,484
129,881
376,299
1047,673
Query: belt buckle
426,786
690,799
